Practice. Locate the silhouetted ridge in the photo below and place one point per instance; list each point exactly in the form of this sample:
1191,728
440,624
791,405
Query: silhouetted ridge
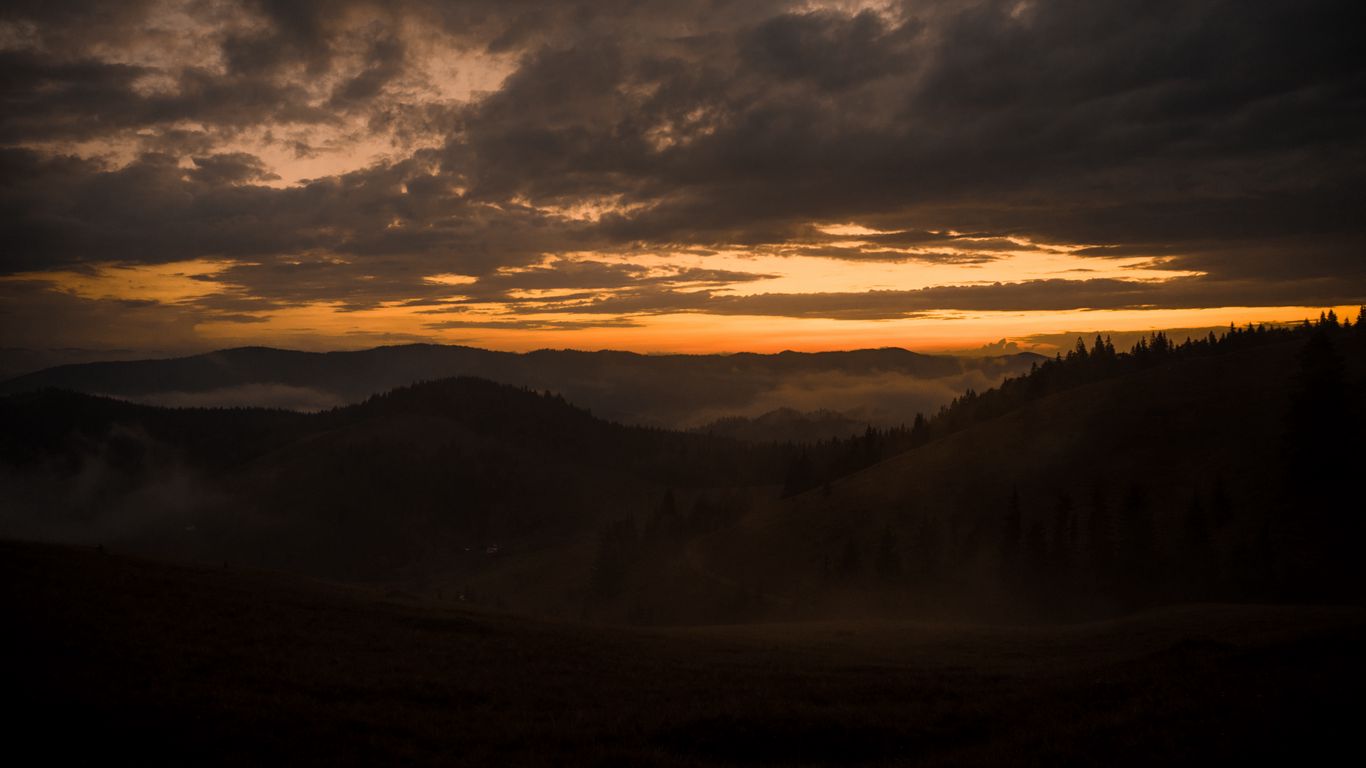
664,390
1214,470
785,425
475,401
38,424
1103,481
1080,367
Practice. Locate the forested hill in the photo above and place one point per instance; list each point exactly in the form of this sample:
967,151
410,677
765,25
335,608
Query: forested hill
1325,379
399,487
1226,468
887,385
41,424
1101,481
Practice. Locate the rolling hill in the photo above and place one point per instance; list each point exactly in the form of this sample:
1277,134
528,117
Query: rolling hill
437,485
785,425
1098,484
886,386
1226,474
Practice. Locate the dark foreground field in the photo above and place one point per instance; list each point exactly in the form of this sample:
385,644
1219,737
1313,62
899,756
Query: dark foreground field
116,657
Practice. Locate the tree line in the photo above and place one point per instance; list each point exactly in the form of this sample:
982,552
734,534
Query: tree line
813,466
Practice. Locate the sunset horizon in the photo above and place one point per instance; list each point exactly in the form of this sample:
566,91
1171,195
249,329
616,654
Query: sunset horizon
683,382
182,176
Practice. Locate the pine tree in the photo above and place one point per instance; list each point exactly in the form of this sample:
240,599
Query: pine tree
1064,534
1011,534
926,552
799,475
1137,538
1197,551
1079,352
1320,404
919,430
1100,539
888,566
617,547
665,524
1036,561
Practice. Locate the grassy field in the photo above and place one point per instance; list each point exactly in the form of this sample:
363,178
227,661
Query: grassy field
114,657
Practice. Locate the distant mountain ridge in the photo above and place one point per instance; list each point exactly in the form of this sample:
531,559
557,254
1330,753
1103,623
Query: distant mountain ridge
408,481
666,390
1102,482
1226,468
785,425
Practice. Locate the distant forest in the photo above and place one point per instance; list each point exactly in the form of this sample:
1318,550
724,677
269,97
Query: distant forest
1226,467
1322,400
1096,535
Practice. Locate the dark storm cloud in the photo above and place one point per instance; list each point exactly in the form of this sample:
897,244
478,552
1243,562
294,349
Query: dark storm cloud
1163,124
30,310
1222,136
532,324
383,64
831,51
53,99
63,212
229,168
1052,295
596,274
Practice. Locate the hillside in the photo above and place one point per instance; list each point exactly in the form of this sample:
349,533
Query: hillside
785,425
128,659
1098,484
1106,496
889,385
454,485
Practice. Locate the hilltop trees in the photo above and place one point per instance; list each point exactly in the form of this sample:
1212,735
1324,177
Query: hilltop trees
1112,551
408,478
1320,409
800,475
1324,454
1012,528
618,545
888,565
813,466
1196,554
1118,536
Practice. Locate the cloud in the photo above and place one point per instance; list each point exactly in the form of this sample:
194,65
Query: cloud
883,398
998,347
248,396
1223,138
229,168
534,324
1050,295
32,313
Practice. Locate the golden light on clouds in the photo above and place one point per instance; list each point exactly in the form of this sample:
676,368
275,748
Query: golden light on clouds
439,68
498,324
162,283
816,174
327,326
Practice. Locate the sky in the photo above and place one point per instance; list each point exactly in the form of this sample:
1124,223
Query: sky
693,175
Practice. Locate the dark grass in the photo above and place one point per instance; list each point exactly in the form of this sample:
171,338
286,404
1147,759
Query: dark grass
117,658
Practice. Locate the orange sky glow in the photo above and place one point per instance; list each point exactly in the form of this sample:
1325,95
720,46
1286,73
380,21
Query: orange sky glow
329,325
812,175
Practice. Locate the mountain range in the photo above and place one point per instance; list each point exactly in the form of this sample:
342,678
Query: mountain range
878,386
1098,483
